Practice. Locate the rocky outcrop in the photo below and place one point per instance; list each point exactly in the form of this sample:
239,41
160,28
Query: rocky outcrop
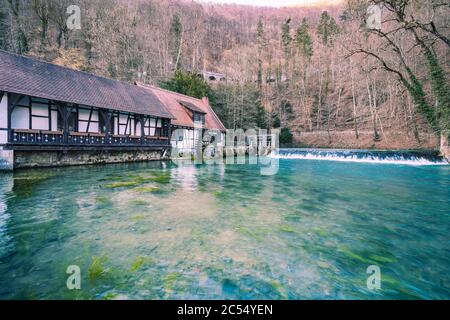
445,146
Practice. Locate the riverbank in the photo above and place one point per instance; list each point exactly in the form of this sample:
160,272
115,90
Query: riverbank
390,140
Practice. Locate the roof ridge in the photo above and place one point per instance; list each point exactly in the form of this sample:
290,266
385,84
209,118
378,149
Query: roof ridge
51,81
208,106
65,67
169,91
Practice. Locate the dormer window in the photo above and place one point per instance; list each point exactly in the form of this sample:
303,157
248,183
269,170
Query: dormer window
198,115
199,118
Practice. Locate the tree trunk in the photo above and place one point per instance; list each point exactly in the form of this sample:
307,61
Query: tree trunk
372,110
355,120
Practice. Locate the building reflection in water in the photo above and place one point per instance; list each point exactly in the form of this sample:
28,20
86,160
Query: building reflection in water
6,186
185,175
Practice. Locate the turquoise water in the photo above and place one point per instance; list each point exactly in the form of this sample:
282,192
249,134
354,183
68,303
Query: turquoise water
161,230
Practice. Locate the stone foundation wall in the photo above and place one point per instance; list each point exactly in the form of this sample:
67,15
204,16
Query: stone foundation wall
29,159
6,159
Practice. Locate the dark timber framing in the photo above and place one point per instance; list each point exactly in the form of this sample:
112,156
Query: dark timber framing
50,107
112,134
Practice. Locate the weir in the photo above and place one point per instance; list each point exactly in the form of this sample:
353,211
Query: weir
406,157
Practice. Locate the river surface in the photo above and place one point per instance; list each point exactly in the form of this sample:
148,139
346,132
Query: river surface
165,230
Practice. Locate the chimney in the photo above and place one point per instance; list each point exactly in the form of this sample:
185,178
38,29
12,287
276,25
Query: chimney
205,100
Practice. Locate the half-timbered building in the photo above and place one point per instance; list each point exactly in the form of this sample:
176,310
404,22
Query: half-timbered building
191,117
52,115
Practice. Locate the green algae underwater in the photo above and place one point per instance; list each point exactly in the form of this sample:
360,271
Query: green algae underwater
167,230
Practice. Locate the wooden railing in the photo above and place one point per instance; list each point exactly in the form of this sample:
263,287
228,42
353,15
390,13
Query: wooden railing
81,138
41,137
37,137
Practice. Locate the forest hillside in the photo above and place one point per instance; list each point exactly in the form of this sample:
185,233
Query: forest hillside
329,75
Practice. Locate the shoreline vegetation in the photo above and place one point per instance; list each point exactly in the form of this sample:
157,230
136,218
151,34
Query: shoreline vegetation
347,140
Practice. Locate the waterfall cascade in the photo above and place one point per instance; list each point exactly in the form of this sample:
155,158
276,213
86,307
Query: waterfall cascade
418,158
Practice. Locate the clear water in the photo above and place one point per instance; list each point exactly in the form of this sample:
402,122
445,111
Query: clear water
171,231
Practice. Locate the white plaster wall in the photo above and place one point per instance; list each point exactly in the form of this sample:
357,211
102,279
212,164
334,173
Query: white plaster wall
138,129
40,123
195,134
38,109
116,125
82,126
54,120
175,136
3,136
187,143
93,127
84,115
123,120
131,128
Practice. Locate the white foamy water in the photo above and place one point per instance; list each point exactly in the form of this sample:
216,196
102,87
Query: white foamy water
362,156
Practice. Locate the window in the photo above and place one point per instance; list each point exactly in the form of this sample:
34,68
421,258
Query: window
152,127
88,120
20,117
102,125
34,113
124,124
40,114
73,120
199,118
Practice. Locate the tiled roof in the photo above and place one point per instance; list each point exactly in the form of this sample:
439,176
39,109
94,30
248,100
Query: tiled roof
28,76
173,102
191,106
